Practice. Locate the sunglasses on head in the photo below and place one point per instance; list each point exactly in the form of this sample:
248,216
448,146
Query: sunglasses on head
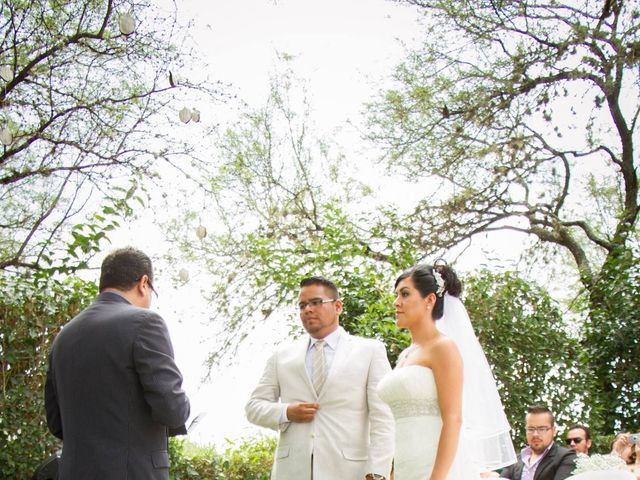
576,440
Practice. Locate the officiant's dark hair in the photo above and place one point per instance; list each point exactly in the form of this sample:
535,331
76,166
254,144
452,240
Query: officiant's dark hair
122,268
328,284
425,282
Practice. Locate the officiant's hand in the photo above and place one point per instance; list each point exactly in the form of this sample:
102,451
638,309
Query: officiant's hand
302,412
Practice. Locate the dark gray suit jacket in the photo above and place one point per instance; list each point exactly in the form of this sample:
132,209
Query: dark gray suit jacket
114,393
556,465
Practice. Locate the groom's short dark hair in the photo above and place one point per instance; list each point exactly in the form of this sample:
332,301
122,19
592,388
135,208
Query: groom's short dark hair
316,280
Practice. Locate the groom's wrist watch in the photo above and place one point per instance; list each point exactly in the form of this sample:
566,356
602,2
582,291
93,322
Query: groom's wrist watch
375,476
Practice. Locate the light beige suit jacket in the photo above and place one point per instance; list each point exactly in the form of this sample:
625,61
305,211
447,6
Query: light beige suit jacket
352,433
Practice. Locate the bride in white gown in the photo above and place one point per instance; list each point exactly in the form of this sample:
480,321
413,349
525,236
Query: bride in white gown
450,424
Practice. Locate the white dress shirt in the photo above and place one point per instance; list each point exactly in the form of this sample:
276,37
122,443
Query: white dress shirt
330,345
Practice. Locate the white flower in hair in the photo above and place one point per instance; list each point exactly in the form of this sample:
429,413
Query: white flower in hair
439,281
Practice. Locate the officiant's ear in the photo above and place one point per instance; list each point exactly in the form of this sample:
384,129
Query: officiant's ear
144,290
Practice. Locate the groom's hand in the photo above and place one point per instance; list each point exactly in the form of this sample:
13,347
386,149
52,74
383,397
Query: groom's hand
301,412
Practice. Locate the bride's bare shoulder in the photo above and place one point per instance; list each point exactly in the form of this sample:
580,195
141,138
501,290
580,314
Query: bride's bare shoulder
444,347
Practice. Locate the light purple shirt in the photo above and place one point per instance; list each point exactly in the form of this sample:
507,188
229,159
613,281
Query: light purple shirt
528,471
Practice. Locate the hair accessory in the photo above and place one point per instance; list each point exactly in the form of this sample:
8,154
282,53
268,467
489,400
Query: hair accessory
439,281
440,262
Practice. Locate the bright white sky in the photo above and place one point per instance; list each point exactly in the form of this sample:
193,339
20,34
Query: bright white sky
343,49
340,46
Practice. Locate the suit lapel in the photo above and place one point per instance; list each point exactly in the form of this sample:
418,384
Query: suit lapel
342,352
301,366
545,462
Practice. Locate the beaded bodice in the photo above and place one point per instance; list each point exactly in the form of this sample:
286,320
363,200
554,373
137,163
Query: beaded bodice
410,392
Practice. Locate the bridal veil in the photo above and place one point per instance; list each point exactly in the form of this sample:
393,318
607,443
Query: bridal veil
485,430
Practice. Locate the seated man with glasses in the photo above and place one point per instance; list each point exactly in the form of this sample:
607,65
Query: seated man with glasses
541,459
579,439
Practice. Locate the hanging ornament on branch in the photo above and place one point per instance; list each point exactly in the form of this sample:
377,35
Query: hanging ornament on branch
188,114
183,275
6,137
201,232
6,73
185,115
127,24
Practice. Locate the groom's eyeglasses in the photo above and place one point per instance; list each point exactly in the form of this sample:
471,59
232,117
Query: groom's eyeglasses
315,302
576,440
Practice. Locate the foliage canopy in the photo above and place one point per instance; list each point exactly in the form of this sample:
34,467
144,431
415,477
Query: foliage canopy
84,111
31,314
528,116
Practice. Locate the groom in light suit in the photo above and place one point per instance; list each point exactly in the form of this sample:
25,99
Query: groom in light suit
322,398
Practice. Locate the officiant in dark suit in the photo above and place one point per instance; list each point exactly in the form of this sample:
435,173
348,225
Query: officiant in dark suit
113,392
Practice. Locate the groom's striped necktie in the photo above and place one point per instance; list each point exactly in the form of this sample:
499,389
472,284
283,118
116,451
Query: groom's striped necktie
319,366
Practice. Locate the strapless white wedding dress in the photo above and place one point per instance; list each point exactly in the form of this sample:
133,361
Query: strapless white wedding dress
411,393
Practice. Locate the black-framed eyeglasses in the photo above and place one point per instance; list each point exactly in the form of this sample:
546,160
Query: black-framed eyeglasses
538,430
576,440
151,287
315,302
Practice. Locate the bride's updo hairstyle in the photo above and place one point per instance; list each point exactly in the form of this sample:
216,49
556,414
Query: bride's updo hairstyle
426,282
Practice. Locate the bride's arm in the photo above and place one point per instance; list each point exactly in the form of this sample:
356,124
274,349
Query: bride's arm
447,370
